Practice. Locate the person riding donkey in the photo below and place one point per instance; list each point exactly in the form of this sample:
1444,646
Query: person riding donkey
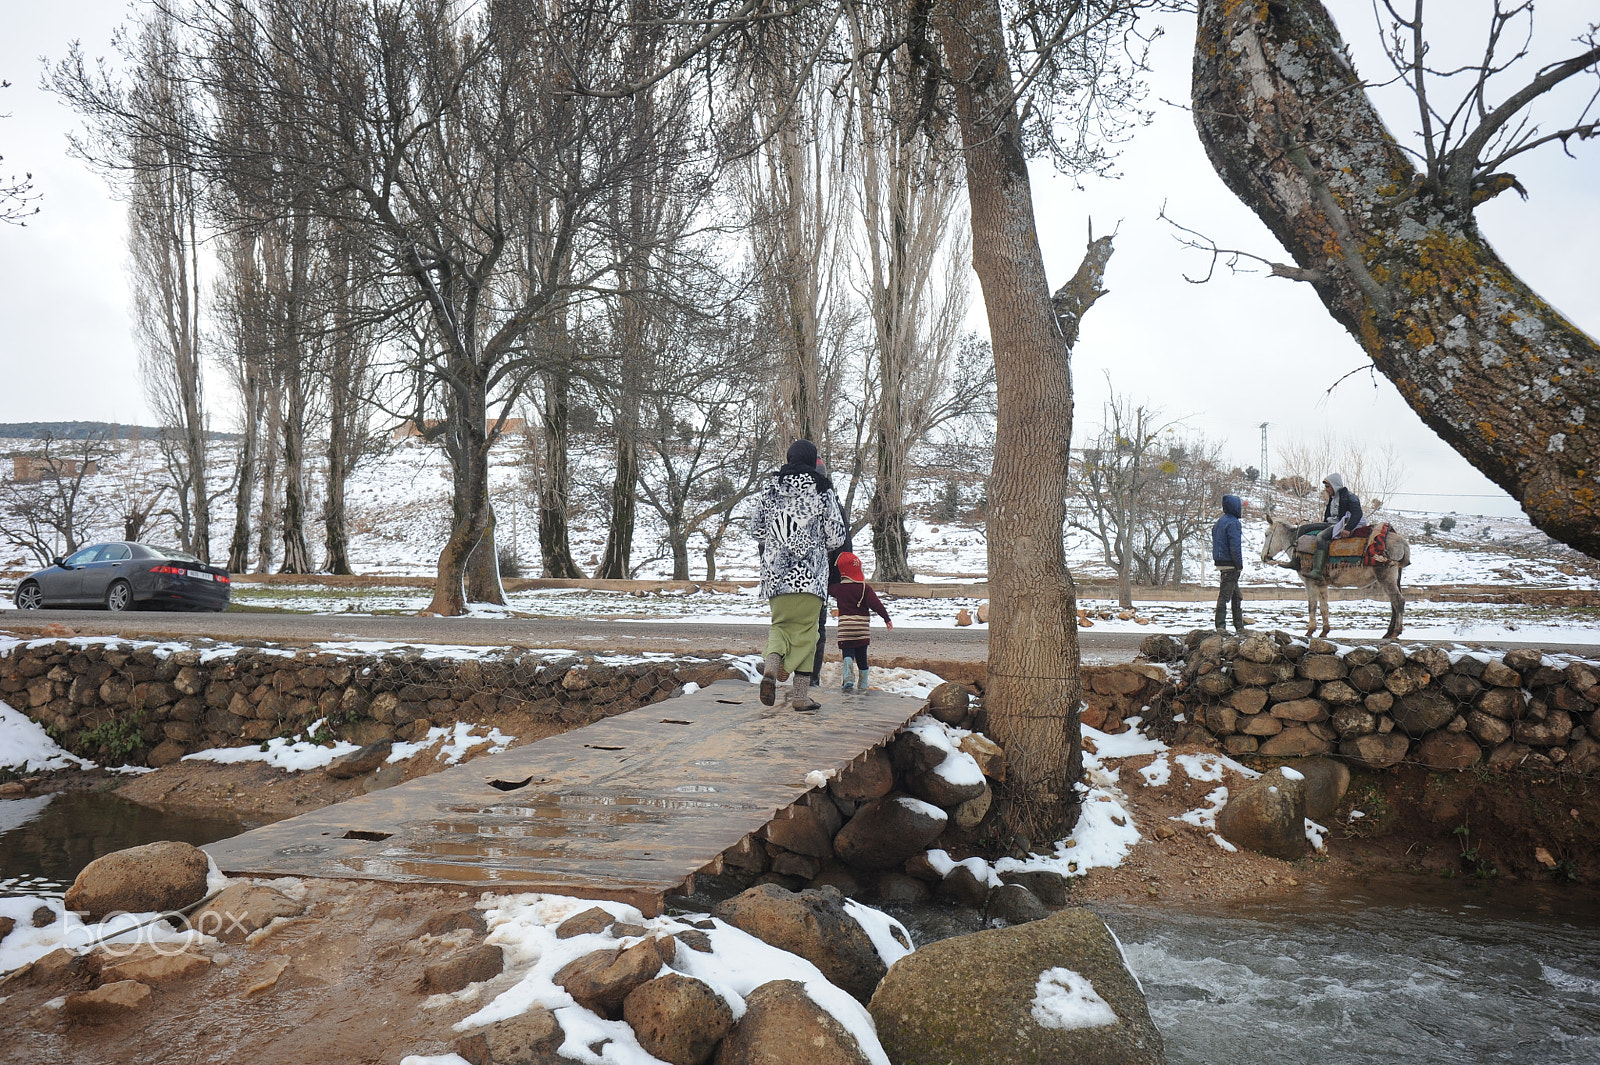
1339,520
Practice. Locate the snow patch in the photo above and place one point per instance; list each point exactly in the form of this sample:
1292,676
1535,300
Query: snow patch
26,746
1064,999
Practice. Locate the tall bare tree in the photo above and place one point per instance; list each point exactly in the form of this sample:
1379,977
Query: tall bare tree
52,511
1385,234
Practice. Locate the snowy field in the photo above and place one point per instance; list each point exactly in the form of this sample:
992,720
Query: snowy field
399,502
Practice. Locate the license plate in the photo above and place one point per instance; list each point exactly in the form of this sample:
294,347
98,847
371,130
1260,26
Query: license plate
201,575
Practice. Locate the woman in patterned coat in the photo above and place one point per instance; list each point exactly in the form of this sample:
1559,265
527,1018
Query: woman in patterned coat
797,523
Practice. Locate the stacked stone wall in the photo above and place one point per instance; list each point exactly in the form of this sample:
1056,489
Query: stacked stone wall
1383,704
149,704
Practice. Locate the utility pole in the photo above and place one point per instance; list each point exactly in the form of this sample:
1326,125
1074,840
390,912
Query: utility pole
1265,478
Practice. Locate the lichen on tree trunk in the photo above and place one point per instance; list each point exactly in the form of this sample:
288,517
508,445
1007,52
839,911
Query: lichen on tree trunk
1397,258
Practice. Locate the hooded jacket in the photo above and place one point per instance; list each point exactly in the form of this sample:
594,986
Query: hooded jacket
1227,535
797,525
1344,504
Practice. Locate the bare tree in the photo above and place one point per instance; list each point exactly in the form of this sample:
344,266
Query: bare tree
16,194
164,238
50,513
1374,473
1385,233
916,249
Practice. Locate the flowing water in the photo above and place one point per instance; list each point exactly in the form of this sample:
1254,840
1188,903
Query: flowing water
1412,973
45,841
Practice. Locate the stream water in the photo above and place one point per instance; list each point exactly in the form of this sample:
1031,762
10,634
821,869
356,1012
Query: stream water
1411,973
45,841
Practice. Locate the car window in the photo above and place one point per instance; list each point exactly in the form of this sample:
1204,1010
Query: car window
175,555
83,557
113,553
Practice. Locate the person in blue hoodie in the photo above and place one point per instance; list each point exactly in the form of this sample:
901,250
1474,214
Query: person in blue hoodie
1227,551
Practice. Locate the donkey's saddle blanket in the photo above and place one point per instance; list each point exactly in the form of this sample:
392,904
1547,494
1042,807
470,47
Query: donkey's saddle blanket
1364,546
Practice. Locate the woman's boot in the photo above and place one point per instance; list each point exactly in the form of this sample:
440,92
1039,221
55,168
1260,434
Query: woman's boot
801,699
769,678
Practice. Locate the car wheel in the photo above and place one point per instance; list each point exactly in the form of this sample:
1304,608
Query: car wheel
29,597
119,596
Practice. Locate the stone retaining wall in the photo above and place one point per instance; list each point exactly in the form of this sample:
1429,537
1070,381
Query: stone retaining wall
141,703
1383,704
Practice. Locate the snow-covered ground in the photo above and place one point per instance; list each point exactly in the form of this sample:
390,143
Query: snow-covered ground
399,503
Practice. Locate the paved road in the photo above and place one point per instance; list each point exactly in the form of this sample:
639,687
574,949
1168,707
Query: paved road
903,645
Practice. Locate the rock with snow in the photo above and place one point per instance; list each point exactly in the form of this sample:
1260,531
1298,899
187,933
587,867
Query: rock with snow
1268,816
1000,997
530,1038
589,922
1048,886
601,980
156,877
965,887
677,1018
783,1026
813,924
886,832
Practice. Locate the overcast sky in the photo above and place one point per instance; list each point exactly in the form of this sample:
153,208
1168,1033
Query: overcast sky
1224,356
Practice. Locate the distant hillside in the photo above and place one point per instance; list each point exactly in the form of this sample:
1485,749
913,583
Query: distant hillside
84,430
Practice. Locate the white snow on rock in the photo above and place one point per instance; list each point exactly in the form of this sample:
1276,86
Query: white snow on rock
1065,999
944,865
26,746
293,756
818,779
1158,772
1290,773
891,938
1315,834
1206,816
958,767
1209,768
926,808
26,943
457,740
523,926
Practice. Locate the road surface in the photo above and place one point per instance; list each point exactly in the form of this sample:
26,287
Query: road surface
903,646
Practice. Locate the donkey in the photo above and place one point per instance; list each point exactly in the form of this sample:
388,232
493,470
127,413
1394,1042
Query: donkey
1281,536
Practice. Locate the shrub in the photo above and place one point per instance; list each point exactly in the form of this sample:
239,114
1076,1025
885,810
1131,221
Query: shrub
1446,523
510,564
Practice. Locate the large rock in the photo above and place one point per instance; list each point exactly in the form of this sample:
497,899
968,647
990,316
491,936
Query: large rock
1268,816
157,877
149,965
989,755
950,702
1248,700
1262,674
976,999
1322,667
1553,730
807,827
473,966
1354,721
813,924
1448,750
1500,675
1423,711
869,777
531,1038
359,763
1487,728
1289,690
109,1002
601,980
887,831
1301,710
1504,703
241,909
1379,750
1297,741
1014,904
783,1026
1367,677
677,1018
1326,783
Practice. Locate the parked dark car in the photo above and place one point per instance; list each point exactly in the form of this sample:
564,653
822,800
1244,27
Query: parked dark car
126,576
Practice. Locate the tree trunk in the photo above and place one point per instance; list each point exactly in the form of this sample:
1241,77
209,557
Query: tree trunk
267,541
555,549
472,515
1033,689
239,547
1398,260
483,567
624,505
296,554
678,541
890,544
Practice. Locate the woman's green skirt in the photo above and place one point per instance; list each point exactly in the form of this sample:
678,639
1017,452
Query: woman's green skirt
794,630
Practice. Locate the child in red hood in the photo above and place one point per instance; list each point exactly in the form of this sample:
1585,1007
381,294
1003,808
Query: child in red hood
856,599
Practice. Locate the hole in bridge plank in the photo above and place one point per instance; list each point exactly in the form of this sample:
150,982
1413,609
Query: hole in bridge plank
511,785
732,702
674,721
603,747
356,833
